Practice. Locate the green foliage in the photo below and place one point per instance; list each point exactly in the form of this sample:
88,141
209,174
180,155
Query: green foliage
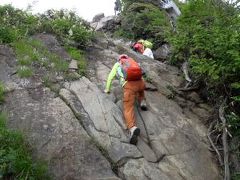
236,91
15,24
80,57
61,26
66,25
211,47
27,51
82,65
15,159
234,127
236,176
144,21
31,53
7,35
58,64
24,72
234,123
74,52
81,35
208,36
2,92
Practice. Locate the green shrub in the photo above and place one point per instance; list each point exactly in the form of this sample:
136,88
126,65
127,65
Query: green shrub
15,159
80,57
144,21
16,24
211,47
7,34
2,92
208,36
66,25
81,35
61,26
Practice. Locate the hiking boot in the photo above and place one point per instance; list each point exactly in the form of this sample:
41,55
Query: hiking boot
143,105
134,132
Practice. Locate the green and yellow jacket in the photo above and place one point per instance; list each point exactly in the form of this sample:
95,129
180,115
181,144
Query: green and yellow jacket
116,71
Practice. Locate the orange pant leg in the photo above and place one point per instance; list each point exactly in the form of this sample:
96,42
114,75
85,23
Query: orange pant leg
131,90
140,91
128,107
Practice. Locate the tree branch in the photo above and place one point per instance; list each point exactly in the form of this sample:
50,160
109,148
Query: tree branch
213,145
225,143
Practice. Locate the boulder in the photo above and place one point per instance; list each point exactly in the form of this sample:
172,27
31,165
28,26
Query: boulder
106,23
162,53
98,17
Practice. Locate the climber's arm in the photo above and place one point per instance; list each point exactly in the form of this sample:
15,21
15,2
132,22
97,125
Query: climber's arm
111,76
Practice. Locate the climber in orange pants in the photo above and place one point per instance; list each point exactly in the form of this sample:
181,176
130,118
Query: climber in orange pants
132,90
130,75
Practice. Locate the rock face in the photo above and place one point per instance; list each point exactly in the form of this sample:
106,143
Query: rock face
7,68
56,135
108,23
98,17
51,128
162,53
81,133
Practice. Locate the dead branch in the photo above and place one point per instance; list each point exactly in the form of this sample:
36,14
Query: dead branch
213,145
185,71
225,143
217,138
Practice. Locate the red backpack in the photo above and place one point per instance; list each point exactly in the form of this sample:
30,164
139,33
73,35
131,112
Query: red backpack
131,69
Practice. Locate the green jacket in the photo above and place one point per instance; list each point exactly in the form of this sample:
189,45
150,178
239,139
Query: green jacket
116,71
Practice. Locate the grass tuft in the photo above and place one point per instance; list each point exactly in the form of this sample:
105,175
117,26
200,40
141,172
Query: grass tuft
15,159
24,72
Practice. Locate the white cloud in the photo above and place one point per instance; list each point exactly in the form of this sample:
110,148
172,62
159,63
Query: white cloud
84,8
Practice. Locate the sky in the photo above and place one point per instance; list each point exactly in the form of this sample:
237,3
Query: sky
86,9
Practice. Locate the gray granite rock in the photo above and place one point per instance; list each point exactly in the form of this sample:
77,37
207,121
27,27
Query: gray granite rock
82,135
107,125
56,136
